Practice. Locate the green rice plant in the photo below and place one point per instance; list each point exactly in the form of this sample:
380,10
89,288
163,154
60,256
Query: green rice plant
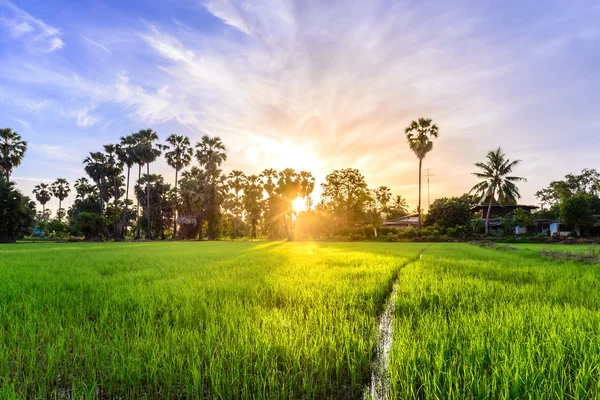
192,320
478,323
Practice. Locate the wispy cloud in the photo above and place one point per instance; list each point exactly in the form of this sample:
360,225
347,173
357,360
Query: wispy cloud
38,35
96,44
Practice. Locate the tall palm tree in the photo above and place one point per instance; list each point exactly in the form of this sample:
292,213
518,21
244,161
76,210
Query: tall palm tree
251,200
419,134
148,154
237,182
288,187
127,156
60,189
307,185
95,165
114,168
43,194
210,153
270,178
12,151
496,181
178,152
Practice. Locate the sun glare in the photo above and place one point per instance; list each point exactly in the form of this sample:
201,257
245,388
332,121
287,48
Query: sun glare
299,204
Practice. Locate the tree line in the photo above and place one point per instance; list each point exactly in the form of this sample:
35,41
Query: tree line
206,202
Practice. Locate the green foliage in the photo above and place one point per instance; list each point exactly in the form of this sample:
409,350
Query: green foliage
344,196
91,225
17,213
577,211
449,212
410,233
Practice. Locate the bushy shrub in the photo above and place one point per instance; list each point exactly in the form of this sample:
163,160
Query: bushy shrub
410,233
91,225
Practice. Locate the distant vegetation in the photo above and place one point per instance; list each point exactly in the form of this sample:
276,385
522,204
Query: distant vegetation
205,202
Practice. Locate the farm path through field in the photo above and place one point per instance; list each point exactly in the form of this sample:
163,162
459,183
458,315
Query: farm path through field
379,387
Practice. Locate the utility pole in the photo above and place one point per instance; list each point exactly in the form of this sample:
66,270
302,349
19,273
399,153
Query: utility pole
428,174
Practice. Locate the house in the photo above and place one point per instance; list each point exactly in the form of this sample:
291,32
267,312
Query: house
402,223
498,211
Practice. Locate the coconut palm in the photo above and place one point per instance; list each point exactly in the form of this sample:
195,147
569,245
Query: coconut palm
12,151
178,152
419,134
60,189
43,194
496,181
148,153
399,206
307,185
210,153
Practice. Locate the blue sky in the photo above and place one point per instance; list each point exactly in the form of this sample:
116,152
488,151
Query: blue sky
315,85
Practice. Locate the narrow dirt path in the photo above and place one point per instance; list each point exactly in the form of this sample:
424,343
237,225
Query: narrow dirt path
379,388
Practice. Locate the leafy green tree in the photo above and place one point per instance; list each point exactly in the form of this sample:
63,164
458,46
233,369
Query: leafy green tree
577,211
496,181
449,212
113,170
376,206
344,196
210,153
419,134
252,201
12,151
17,212
178,152
60,189
43,194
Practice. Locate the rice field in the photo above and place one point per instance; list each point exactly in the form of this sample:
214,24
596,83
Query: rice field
293,320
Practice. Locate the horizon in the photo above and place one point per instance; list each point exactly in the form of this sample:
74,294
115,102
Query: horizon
289,85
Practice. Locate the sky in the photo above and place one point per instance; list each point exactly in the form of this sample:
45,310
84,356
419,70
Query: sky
314,85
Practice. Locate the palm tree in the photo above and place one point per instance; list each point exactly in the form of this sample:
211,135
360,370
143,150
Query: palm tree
114,168
60,189
419,134
288,187
307,185
399,206
270,177
251,200
95,165
178,152
237,182
148,154
12,151
127,156
210,153
496,181
43,195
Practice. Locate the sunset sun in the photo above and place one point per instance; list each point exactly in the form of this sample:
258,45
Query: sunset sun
299,204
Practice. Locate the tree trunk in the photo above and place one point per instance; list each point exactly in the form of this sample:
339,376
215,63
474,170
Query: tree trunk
175,208
124,219
148,213
59,207
115,228
201,230
487,216
137,217
419,206
375,231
